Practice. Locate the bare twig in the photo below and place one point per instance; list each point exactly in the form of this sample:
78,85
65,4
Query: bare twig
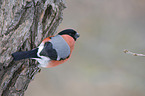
134,54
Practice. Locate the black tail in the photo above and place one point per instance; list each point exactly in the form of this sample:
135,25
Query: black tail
25,54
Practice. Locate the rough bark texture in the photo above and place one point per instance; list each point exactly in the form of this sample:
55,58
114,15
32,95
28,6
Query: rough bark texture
23,25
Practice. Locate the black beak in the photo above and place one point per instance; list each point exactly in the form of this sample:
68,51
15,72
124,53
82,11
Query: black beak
77,35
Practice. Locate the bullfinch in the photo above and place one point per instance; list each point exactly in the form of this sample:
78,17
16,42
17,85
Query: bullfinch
53,50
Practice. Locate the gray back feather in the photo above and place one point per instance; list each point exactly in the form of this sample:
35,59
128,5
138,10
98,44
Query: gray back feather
61,47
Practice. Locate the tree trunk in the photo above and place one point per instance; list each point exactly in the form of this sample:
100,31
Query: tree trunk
23,25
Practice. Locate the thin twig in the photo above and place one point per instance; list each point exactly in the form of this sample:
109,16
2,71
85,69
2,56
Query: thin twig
134,54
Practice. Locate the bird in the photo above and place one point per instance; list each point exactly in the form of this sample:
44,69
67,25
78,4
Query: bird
52,51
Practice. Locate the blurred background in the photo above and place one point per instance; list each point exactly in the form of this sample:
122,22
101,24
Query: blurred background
98,66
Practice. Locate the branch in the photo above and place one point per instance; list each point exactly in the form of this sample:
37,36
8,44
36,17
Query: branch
23,25
134,54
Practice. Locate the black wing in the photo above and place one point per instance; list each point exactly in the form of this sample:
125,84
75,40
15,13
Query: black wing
49,51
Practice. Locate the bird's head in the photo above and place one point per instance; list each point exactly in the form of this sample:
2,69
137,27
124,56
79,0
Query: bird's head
71,33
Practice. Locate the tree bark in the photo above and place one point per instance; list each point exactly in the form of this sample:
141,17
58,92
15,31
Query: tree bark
23,25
